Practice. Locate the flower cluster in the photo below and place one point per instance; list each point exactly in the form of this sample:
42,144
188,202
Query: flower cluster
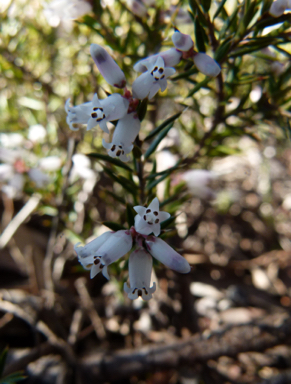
156,69
97,255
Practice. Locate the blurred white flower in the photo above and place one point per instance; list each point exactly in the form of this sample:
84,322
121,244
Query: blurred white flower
197,181
11,140
36,133
137,7
62,10
50,163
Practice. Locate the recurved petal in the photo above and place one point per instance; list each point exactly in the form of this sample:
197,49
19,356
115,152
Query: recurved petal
163,216
107,66
167,255
140,209
120,106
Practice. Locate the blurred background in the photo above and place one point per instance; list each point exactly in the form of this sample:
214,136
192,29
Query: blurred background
226,167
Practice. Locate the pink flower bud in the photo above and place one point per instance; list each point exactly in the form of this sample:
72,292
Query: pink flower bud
182,42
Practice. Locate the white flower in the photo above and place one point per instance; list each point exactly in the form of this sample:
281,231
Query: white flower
171,58
107,66
124,135
40,178
161,251
97,111
110,246
148,220
197,181
149,83
182,42
58,10
206,64
279,7
140,270
104,250
36,133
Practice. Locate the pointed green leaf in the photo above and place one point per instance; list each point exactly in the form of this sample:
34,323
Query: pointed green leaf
110,159
206,5
219,9
157,140
3,357
142,109
126,184
113,226
163,125
130,213
199,36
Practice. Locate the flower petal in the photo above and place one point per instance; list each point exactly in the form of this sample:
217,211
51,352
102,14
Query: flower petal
140,209
166,255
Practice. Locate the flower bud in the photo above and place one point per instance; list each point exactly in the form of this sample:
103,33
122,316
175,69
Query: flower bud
182,42
107,66
206,64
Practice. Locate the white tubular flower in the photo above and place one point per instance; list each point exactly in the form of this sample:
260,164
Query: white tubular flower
124,135
206,64
97,111
171,58
160,250
279,7
104,250
149,219
140,270
107,66
149,83
88,255
182,42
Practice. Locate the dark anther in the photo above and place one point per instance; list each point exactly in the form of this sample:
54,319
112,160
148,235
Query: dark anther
134,291
163,77
161,70
97,261
118,153
156,78
94,115
101,266
149,222
120,146
157,221
139,292
148,211
113,148
146,292
95,109
156,213
100,119
144,217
